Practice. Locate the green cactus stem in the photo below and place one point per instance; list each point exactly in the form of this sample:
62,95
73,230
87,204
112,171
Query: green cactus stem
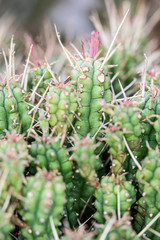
5,226
13,161
93,84
39,78
45,198
14,110
149,187
114,138
61,105
113,195
86,160
48,154
118,229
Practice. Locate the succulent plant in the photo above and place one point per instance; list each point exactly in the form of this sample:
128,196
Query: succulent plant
114,139
40,77
14,109
93,84
114,194
44,202
86,160
118,229
13,161
61,105
149,187
5,225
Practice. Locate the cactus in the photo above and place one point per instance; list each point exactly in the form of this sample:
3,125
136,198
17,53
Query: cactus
61,104
45,198
14,110
118,229
82,194
93,167
114,138
13,160
149,182
127,118
113,195
93,84
5,226
86,159
153,78
157,130
40,76
48,153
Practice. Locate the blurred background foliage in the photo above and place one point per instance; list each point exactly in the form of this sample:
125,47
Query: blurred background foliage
33,20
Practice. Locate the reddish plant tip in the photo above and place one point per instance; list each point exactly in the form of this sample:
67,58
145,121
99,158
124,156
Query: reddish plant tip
94,44
152,72
13,136
128,102
34,55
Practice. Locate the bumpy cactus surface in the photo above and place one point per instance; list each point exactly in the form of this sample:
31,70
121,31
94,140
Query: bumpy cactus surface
13,160
5,226
40,76
84,162
113,196
14,109
45,198
114,138
61,105
93,84
87,160
149,186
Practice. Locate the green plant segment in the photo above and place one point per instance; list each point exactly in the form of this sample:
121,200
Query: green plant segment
61,105
5,226
14,109
48,153
45,198
84,162
119,229
93,85
114,138
113,196
13,160
149,203
39,78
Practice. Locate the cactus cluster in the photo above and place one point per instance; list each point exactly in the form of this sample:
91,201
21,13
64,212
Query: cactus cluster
77,161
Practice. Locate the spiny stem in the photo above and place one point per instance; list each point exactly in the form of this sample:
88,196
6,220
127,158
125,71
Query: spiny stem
55,235
77,51
144,76
37,85
124,94
74,61
154,232
59,40
106,57
7,73
127,87
107,229
3,179
113,51
149,225
85,221
114,77
6,203
26,66
41,100
118,203
131,154
11,49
